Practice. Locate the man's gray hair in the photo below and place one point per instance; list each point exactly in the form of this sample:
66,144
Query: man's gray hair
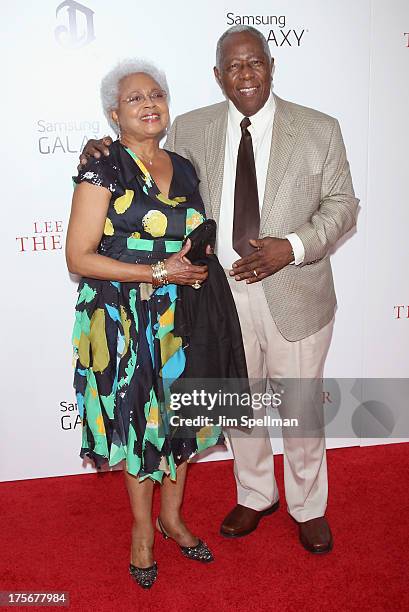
236,29
110,83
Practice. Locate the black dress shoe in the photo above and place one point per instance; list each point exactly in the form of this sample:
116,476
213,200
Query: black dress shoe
315,535
242,520
200,552
144,576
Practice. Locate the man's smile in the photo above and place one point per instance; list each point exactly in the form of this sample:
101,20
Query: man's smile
248,91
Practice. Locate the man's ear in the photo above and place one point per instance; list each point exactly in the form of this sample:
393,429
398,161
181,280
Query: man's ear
114,116
273,67
217,76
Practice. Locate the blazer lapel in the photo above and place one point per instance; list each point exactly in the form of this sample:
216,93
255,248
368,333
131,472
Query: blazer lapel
282,145
215,143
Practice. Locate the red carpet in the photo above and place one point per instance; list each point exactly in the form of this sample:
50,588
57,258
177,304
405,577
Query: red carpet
73,534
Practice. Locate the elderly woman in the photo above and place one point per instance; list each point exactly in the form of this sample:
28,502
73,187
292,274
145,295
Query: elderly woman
130,213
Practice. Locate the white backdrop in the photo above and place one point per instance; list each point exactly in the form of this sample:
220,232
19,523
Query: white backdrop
346,58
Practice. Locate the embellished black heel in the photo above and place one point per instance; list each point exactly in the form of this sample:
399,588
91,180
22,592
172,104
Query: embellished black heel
200,552
144,576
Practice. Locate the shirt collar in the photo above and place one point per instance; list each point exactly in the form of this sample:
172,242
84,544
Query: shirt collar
259,120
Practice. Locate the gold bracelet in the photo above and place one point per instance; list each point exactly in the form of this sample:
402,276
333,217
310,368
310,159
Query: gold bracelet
155,275
159,274
162,273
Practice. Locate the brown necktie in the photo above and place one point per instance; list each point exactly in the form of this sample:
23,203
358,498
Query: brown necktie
246,220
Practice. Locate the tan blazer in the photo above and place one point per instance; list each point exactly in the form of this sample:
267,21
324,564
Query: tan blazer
308,191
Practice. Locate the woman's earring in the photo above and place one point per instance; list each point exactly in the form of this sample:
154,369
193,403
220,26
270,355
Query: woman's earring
119,131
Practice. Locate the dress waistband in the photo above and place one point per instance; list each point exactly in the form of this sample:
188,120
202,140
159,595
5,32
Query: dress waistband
158,245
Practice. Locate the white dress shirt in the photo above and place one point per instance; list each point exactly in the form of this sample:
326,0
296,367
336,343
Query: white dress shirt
261,130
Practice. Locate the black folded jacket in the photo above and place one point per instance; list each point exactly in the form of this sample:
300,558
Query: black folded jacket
207,320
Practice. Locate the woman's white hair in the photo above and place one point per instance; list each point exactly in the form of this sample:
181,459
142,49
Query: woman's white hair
110,83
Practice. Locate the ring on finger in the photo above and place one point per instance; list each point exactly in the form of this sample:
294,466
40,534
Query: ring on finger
196,285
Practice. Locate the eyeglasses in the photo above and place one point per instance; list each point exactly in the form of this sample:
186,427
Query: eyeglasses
138,98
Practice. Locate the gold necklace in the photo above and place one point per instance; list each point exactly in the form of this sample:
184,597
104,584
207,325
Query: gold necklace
145,161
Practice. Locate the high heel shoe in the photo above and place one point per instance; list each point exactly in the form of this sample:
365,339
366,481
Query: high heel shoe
200,552
144,576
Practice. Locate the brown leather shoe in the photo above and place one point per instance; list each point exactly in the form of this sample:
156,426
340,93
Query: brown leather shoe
242,520
315,535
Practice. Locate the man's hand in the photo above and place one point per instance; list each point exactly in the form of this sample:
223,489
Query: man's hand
272,255
95,148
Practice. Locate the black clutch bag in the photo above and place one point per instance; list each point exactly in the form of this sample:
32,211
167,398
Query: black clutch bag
203,235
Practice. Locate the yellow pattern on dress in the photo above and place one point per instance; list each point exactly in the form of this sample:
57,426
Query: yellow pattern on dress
204,433
164,200
153,418
166,318
108,227
83,349
168,346
122,203
126,324
98,340
193,221
99,421
155,223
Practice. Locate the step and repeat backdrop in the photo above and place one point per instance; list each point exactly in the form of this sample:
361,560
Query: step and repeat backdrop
346,58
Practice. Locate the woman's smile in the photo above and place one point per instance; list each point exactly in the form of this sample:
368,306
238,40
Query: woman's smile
151,117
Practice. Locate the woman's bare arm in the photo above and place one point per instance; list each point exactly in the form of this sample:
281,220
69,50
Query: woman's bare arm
88,213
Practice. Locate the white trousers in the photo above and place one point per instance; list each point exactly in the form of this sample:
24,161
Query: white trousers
270,355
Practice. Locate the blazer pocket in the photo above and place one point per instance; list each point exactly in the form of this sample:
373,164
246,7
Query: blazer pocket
309,184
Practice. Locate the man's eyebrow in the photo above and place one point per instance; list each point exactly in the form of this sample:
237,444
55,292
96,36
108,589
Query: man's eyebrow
248,56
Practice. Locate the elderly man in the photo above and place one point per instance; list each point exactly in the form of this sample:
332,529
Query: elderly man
275,177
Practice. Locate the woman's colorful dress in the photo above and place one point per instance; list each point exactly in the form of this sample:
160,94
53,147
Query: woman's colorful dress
126,354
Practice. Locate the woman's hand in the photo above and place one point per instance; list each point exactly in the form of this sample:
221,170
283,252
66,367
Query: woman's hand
181,271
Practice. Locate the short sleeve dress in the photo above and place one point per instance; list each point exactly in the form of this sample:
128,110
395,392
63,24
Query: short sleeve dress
126,354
